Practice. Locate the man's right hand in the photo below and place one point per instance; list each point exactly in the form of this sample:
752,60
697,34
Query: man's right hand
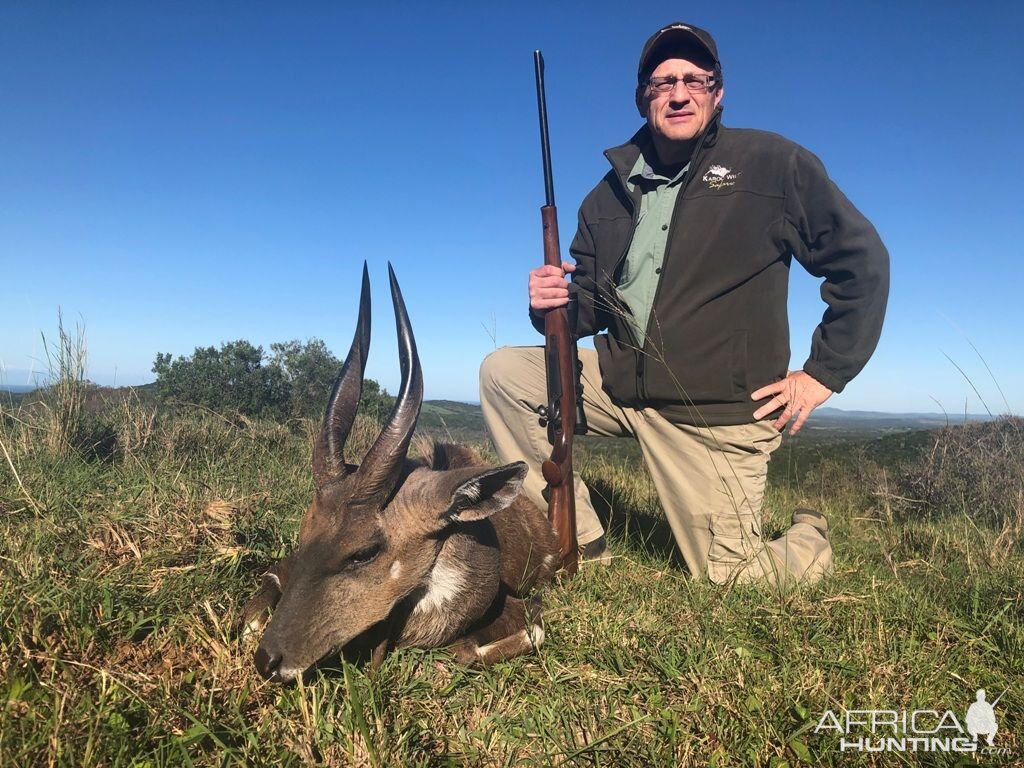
548,286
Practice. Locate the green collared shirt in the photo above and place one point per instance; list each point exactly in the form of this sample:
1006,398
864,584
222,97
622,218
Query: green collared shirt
642,269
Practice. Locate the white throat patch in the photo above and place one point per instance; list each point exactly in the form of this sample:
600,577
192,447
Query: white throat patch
446,582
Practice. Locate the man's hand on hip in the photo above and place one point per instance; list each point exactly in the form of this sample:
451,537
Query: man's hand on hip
548,286
798,393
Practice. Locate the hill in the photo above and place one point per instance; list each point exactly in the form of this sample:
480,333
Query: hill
450,414
465,421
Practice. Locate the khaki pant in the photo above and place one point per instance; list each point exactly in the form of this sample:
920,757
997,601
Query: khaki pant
710,480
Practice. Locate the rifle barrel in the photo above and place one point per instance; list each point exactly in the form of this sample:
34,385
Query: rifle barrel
542,109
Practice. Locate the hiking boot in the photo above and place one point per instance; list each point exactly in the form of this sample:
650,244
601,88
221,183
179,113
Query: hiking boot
596,551
813,518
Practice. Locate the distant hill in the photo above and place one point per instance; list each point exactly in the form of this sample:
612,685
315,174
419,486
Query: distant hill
930,419
464,421
834,424
452,420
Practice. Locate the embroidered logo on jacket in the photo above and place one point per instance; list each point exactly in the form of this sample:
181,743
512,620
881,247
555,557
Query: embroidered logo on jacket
719,176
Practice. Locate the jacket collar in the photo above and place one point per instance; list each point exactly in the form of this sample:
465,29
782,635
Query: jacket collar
623,157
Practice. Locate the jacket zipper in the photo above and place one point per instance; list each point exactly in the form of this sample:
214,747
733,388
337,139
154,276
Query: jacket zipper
626,324
694,165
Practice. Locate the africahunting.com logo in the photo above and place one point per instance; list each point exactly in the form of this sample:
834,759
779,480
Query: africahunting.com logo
919,730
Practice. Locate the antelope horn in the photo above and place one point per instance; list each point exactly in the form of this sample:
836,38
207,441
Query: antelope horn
381,469
328,452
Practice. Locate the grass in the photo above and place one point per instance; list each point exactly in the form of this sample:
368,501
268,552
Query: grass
121,572
65,396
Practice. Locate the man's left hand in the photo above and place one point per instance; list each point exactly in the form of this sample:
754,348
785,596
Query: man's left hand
798,393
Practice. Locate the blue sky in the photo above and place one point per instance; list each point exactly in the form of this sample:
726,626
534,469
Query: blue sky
187,173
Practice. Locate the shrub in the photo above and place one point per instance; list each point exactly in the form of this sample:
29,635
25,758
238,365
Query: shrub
309,370
973,468
232,378
293,383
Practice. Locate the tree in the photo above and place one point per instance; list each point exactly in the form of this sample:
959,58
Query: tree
310,370
232,378
295,381
375,401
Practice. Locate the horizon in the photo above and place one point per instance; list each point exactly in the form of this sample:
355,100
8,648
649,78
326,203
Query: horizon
823,410
213,173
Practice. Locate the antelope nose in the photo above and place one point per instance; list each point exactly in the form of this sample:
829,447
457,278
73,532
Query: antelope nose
266,663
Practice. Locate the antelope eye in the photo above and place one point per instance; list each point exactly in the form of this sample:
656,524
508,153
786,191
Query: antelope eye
363,556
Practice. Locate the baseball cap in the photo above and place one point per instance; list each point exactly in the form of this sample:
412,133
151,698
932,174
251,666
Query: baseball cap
672,36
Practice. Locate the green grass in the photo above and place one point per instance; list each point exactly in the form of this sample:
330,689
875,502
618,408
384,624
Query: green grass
120,576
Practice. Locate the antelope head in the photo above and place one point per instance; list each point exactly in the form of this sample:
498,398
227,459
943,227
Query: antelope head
372,533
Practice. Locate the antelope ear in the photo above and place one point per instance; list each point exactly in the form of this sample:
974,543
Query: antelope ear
486,492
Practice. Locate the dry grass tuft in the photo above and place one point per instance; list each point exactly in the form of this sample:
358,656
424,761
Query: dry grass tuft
64,398
217,520
134,424
115,544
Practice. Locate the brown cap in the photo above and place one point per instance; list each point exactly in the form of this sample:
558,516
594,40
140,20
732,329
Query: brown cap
672,37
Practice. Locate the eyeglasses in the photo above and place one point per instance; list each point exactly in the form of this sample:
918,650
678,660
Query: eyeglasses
693,83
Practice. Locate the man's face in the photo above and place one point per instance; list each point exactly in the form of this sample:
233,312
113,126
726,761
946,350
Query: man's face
679,115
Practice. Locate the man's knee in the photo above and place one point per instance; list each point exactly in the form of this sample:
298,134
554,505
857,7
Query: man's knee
494,371
507,369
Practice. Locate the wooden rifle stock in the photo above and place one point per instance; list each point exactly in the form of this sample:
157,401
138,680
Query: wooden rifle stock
564,412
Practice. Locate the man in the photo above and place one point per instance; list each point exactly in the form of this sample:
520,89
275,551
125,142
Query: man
682,261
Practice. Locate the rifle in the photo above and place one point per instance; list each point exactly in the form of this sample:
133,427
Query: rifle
564,412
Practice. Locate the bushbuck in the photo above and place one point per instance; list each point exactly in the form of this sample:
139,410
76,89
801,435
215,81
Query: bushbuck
394,552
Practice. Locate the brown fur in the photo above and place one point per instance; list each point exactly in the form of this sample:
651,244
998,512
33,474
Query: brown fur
461,555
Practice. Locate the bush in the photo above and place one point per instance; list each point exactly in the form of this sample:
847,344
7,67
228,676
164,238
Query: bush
309,370
293,383
973,468
232,378
374,403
